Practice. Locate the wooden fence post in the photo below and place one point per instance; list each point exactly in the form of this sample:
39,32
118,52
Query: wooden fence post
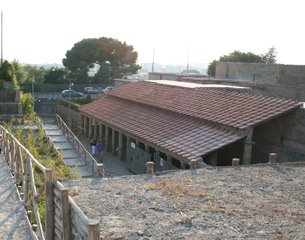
100,170
49,204
17,171
150,167
235,161
94,230
193,164
272,158
66,219
26,180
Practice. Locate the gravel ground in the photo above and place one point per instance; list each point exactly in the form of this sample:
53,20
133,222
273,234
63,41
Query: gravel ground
256,202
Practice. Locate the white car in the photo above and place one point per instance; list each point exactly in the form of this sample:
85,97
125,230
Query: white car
108,89
91,90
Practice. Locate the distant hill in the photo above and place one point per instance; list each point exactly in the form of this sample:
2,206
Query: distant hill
200,67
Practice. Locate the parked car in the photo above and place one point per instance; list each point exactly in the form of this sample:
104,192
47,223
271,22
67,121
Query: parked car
91,90
108,89
71,93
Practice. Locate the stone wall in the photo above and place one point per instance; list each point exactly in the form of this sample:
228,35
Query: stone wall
284,136
10,104
71,117
284,74
163,76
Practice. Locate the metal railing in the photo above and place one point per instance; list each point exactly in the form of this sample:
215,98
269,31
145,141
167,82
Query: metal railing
79,147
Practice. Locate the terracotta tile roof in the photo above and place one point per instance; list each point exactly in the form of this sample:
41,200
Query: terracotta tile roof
231,108
185,136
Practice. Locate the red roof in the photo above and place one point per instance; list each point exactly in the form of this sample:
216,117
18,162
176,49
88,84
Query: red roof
187,137
227,107
186,121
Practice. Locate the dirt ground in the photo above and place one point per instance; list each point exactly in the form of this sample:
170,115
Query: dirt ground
256,202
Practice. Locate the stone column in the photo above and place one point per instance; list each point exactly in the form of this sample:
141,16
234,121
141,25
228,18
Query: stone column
90,128
100,134
169,159
85,126
183,165
248,148
106,138
113,142
120,146
213,158
94,128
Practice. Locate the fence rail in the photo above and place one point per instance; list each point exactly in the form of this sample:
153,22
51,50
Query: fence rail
78,146
64,219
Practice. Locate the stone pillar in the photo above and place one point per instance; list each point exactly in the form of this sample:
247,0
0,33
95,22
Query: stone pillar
235,161
94,128
100,134
272,158
248,148
183,164
113,142
193,164
106,138
169,160
85,126
213,158
150,167
90,128
120,146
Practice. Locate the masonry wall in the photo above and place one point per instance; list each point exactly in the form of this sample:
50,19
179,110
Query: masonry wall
71,117
248,71
162,76
284,74
284,136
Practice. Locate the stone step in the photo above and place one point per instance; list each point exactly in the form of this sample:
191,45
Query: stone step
83,171
71,162
50,127
48,120
66,154
54,132
58,139
63,146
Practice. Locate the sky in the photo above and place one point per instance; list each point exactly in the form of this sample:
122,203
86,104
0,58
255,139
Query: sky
42,31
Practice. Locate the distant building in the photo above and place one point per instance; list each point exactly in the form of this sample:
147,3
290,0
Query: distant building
171,76
172,123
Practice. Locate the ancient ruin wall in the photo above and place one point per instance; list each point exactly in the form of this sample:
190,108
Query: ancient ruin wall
283,74
284,136
248,71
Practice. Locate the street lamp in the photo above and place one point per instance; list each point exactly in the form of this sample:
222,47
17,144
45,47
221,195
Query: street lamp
33,81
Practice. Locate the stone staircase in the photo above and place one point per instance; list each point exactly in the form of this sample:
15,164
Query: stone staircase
70,156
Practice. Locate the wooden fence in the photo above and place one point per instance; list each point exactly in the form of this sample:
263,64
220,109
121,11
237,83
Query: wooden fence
63,218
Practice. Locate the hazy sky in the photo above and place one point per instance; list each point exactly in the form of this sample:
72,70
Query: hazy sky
41,31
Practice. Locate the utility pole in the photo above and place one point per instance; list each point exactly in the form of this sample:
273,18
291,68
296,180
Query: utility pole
188,60
153,62
1,38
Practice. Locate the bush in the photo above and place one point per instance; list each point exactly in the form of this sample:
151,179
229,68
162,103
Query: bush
27,102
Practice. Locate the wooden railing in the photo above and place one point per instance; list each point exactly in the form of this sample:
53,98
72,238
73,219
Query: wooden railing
63,218
21,163
88,159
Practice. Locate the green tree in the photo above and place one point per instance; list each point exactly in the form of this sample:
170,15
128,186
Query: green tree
55,75
270,56
244,57
7,73
21,74
27,103
113,58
